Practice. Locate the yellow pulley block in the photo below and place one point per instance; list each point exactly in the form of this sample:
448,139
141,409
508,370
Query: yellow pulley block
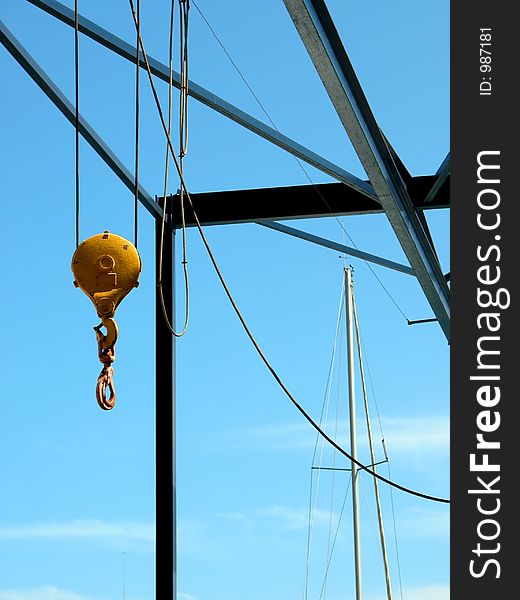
106,267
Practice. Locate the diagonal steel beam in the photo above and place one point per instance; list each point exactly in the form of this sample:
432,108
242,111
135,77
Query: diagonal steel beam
53,92
318,33
206,97
314,239
442,174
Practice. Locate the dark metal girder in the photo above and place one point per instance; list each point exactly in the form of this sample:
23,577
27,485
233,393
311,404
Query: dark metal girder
165,464
297,202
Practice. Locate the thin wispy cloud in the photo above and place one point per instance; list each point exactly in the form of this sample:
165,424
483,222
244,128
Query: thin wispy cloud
277,516
293,518
417,433
42,593
427,592
81,529
425,522
421,435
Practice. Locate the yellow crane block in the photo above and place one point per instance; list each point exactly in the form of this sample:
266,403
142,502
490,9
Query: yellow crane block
106,267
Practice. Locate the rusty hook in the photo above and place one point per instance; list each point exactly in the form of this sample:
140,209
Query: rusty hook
105,380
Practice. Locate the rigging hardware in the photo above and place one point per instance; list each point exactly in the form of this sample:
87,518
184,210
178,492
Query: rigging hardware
106,268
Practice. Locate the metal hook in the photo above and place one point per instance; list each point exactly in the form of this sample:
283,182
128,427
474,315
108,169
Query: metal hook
105,380
107,356
106,342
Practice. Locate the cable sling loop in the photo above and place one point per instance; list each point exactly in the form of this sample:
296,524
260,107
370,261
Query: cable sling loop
182,134
260,352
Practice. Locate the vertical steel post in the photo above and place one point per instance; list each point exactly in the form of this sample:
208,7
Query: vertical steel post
165,502
353,440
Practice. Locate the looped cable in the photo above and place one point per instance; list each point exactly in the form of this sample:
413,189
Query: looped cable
183,135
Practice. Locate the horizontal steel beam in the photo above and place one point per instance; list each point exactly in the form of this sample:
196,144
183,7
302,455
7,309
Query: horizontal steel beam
314,239
321,39
296,202
52,91
206,97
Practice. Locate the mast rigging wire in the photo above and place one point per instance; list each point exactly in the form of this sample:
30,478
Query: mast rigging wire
324,584
333,466
323,419
260,352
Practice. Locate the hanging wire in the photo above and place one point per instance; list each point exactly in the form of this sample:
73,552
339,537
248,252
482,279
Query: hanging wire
183,135
241,318
137,103
184,6
76,113
300,163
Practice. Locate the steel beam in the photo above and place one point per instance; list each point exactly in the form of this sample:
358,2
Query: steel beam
52,91
314,239
316,28
165,413
443,172
296,202
206,97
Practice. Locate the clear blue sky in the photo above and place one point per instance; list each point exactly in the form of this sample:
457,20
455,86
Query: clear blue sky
77,506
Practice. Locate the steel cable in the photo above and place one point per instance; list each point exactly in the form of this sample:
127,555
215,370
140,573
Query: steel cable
76,113
260,352
137,103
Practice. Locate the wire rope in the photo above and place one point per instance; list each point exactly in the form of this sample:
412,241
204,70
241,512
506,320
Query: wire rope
76,116
241,318
137,106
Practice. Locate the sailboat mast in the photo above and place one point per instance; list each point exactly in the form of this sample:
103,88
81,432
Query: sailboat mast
353,439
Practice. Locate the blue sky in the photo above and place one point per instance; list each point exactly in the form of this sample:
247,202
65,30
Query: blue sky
77,503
